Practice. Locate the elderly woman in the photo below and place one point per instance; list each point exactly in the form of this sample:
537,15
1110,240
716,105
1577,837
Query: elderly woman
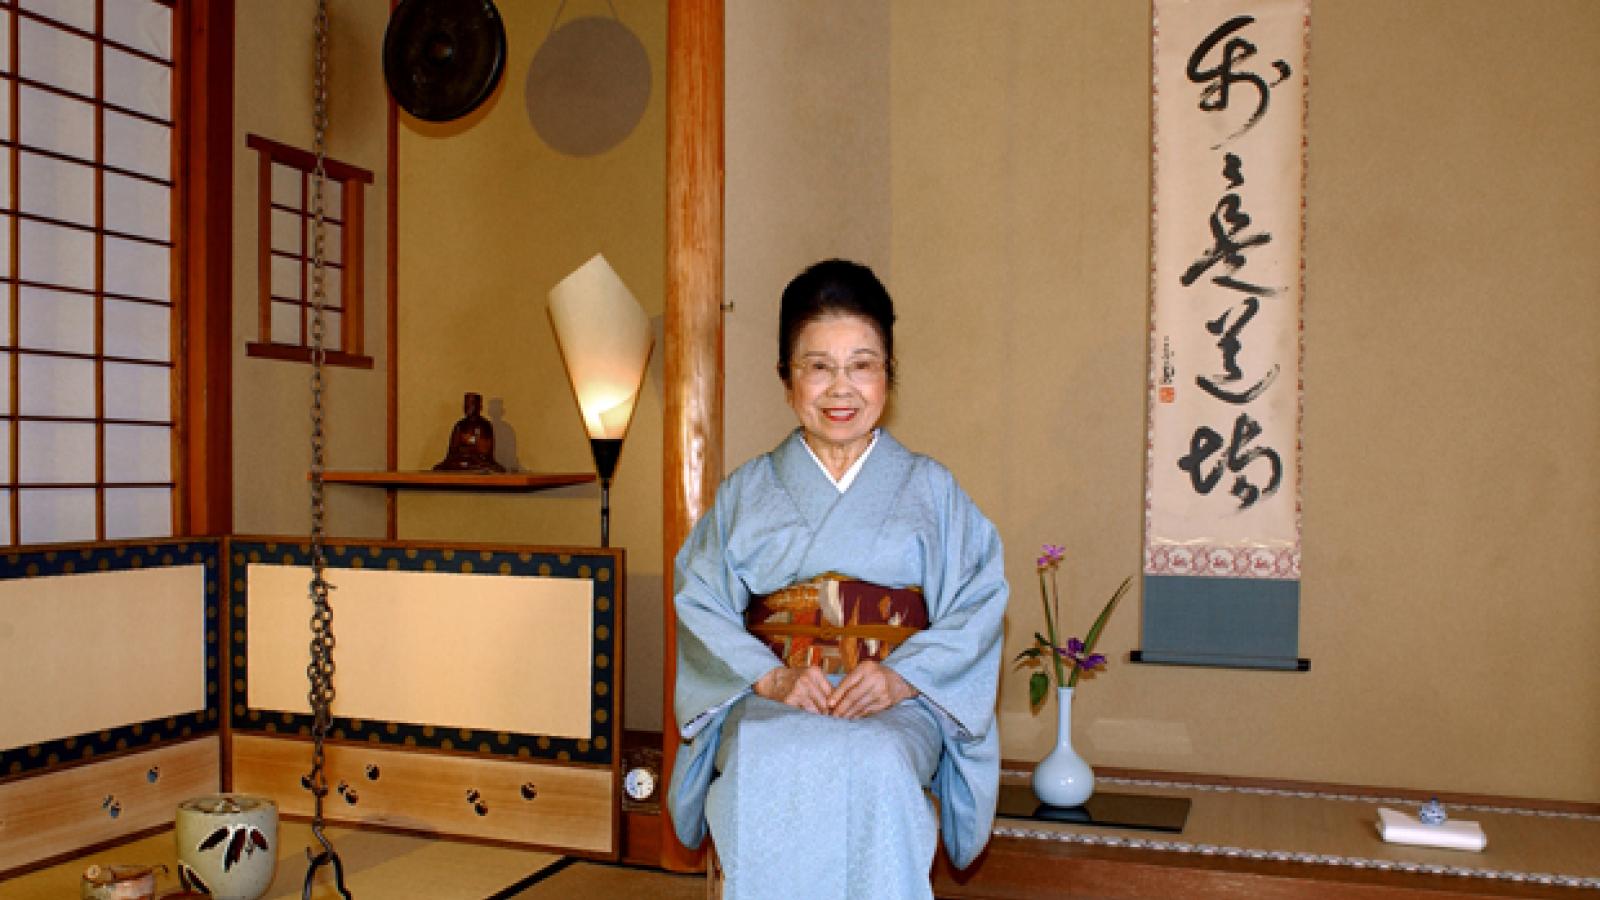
839,612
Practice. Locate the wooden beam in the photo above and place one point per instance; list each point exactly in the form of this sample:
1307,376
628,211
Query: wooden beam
306,161
692,432
352,336
207,147
391,304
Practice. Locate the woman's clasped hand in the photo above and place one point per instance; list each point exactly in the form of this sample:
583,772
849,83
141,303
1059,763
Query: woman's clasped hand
870,688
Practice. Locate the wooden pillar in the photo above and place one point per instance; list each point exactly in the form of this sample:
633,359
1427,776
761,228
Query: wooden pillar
391,308
693,343
205,425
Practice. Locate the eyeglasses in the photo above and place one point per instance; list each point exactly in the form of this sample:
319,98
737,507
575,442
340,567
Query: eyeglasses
863,371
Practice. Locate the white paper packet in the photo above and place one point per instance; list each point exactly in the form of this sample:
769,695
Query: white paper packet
1398,828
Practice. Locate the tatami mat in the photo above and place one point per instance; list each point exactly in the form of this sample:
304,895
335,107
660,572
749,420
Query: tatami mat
583,880
376,864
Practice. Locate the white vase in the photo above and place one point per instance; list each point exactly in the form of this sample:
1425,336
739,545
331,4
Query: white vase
228,843
1063,778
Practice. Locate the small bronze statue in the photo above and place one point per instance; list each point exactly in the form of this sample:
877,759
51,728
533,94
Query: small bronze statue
471,441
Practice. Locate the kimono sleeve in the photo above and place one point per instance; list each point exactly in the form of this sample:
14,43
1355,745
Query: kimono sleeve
718,659
955,662
955,665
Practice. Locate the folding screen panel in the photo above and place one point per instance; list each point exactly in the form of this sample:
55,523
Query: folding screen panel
111,698
476,687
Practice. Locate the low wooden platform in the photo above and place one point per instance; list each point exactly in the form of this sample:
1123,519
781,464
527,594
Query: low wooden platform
1281,843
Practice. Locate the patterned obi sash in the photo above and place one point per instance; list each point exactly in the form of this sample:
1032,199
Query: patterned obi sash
834,622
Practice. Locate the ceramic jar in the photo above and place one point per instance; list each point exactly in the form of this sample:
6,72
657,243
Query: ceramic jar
227,845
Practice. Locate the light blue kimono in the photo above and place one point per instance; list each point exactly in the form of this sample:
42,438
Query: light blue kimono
838,803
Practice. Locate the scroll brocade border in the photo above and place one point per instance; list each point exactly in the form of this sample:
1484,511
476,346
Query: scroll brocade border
1222,562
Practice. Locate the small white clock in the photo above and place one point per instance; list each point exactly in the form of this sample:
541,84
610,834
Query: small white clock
640,783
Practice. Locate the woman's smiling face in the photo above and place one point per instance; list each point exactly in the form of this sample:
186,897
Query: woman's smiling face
838,384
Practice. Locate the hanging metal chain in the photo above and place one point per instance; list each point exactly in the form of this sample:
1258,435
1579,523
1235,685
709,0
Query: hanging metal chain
319,671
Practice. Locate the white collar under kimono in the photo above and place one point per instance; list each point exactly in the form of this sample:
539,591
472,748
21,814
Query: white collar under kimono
843,483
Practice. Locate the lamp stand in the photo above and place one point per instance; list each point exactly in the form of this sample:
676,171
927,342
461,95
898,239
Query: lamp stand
606,451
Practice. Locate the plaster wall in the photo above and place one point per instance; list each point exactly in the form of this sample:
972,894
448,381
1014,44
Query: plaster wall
997,176
993,166
490,218
808,166
273,53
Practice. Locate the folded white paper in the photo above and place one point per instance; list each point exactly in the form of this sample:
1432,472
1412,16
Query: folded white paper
1399,828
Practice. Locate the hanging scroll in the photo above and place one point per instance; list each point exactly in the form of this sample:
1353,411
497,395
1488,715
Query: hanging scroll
1222,502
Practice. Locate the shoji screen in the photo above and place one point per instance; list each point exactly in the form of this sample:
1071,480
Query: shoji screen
88,261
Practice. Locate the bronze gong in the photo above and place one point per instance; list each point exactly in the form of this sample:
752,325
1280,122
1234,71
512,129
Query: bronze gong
443,58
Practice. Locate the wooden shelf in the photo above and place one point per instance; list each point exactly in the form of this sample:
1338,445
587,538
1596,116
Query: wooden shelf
429,480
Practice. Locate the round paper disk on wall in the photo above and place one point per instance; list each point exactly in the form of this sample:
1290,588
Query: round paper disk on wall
588,86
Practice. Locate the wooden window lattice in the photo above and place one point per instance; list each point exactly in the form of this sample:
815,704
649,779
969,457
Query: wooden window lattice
284,255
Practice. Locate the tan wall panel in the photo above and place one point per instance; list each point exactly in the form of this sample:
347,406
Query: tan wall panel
491,652
1452,379
273,49
82,653
807,179
490,219
1446,585
70,809
1452,502
573,807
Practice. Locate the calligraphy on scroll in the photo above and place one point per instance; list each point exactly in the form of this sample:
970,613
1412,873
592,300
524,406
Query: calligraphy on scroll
1222,468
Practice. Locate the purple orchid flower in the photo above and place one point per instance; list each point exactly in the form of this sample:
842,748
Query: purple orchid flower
1073,652
1051,556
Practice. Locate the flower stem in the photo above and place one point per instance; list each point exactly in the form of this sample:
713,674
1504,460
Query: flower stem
1050,630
